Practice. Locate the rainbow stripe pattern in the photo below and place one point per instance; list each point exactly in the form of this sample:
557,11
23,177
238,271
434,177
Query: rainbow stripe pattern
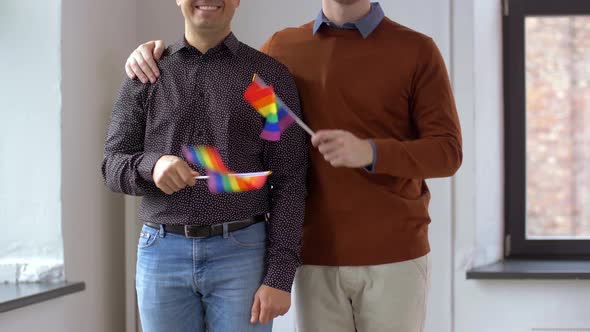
205,156
271,107
220,179
232,183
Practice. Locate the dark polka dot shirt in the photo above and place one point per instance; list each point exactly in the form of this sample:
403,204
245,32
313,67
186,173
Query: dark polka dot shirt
198,100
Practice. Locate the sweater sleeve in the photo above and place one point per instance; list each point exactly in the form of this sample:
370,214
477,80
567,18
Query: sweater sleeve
437,151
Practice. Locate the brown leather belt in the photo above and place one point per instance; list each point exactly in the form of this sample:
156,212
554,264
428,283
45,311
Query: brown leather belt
203,232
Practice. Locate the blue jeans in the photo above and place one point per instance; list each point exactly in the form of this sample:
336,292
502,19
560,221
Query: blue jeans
192,285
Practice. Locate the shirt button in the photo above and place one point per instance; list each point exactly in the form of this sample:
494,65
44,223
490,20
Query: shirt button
199,133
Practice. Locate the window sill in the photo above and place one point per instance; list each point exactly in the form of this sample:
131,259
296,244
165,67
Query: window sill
515,269
14,296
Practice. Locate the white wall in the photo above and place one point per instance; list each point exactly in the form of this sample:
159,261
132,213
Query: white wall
159,19
96,40
96,37
30,210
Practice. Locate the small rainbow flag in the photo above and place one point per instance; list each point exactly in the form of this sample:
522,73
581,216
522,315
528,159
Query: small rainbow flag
206,156
234,183
270,106
219,178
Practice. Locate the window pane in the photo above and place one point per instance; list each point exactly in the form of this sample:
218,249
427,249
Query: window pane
31,247
558,127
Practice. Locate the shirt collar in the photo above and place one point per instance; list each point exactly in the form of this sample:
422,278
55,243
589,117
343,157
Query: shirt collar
230,42
365,25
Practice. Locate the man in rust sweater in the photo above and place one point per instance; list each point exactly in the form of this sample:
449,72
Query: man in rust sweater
379,96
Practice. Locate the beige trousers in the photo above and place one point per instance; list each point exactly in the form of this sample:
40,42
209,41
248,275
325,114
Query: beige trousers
389,297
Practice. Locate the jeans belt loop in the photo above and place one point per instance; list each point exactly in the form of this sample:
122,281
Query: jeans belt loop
225,230
186,228
162,231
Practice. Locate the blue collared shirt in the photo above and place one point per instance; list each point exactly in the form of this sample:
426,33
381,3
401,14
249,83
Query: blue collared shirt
365,25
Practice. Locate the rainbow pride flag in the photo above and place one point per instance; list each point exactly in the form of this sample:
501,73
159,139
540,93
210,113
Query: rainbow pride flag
235,183
205,156
219,178
271,107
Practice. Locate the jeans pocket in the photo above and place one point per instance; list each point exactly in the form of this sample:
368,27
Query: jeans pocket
253,236
148,237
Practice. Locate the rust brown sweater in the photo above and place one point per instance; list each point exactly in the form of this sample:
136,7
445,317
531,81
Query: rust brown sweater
392,87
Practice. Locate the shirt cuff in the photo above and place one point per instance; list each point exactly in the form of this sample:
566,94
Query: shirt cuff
371,168
146,165
280,276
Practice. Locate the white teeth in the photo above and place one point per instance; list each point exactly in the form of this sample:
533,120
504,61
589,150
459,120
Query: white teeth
207,7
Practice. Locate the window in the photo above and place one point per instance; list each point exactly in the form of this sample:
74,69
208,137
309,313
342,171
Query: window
547,121
31,247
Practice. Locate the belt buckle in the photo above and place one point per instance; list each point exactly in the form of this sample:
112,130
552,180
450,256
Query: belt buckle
198,229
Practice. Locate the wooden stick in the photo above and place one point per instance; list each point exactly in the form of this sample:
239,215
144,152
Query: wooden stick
204,177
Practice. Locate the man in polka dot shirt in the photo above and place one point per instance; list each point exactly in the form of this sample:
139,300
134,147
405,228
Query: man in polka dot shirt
215,262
